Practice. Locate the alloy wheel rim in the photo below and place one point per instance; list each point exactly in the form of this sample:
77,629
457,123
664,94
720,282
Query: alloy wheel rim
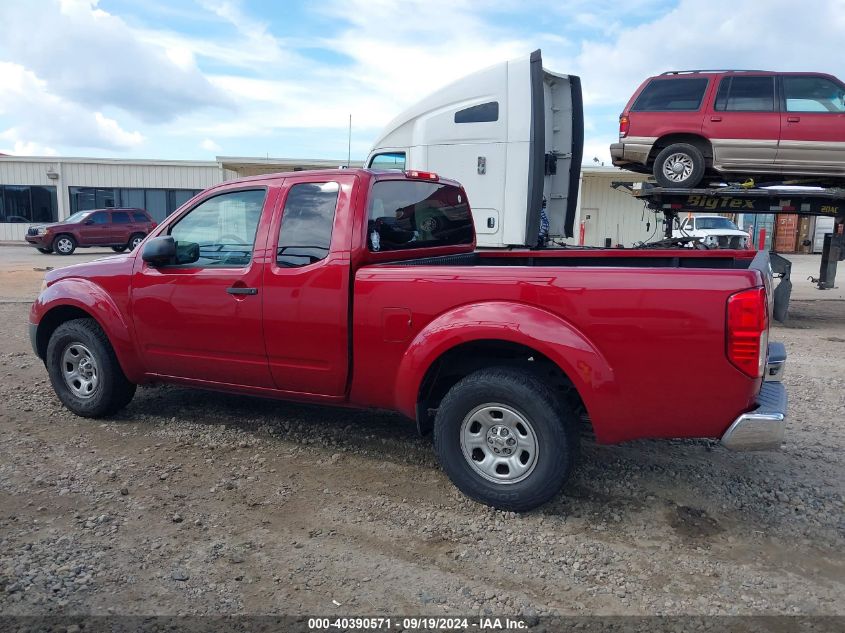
678,167
80,370
499,443
135,242
64,245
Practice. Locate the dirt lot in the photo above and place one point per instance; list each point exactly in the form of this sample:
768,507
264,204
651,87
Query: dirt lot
197,503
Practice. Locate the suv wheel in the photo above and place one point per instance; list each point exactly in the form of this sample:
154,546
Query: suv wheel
84,370
505,439
64,244
136,239
679,166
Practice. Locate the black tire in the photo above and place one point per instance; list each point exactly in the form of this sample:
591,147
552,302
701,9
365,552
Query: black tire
679,166
119,249
112,391
46,251
64,244
134,240
550,421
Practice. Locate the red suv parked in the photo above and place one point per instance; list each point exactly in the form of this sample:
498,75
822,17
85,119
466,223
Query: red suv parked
685,125
118,228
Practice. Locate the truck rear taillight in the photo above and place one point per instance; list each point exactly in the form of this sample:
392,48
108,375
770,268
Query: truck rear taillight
624,123
748,331
422,175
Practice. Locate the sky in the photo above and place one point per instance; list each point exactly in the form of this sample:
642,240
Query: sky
195,79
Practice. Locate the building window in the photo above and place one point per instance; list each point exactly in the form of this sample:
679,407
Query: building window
158,202
28,203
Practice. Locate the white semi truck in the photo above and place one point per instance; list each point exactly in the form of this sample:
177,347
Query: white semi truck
512,134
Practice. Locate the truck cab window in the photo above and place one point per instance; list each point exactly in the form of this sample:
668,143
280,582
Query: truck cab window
407,214
813,94
223,227
388,160
481,113
306,232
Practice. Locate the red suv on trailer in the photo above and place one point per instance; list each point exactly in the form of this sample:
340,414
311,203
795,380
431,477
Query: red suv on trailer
685,125
118,228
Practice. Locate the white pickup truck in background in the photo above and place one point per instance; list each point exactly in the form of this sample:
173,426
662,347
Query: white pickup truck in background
715,231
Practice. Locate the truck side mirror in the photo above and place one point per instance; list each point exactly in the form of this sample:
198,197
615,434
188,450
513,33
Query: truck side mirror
160,251
165,251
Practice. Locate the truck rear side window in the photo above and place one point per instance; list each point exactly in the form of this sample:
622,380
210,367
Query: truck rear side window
481,113
306,232
671,95
407,214
389,160
746,94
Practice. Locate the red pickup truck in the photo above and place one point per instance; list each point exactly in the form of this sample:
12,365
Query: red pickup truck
364,288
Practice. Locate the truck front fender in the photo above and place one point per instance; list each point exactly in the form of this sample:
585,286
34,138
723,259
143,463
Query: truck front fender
73,295
526,325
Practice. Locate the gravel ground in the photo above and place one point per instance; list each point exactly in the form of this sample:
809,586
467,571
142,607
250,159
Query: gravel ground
190,502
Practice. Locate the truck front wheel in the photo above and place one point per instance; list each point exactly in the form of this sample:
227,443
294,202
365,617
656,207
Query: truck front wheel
505,439
84,370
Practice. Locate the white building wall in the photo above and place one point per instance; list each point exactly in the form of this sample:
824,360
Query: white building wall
613,214
76,172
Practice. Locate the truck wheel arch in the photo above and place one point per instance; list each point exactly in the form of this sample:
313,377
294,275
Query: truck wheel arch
698,141
474,336
79,299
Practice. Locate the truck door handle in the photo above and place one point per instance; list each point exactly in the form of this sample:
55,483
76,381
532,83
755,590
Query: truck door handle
715,118
793,119
240,290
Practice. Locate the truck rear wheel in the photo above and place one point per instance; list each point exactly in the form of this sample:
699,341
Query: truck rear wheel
680,165
505,439
84,370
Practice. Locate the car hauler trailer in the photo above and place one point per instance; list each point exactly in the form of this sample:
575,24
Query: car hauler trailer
772,200
511,134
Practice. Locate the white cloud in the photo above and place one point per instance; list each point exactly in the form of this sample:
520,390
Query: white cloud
94,58
776,35
43,119
210,146
23,148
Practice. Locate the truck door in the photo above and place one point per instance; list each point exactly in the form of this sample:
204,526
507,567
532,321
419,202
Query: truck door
744,123
121,227
202,321
95,229
307,282
812,125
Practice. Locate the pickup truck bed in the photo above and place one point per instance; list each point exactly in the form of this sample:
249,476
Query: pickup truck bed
606,318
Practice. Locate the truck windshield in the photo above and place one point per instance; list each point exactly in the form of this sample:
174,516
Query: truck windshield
78,217
715,223
407,214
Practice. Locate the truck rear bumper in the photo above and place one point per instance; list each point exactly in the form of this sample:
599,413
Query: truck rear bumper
763,428
634,151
